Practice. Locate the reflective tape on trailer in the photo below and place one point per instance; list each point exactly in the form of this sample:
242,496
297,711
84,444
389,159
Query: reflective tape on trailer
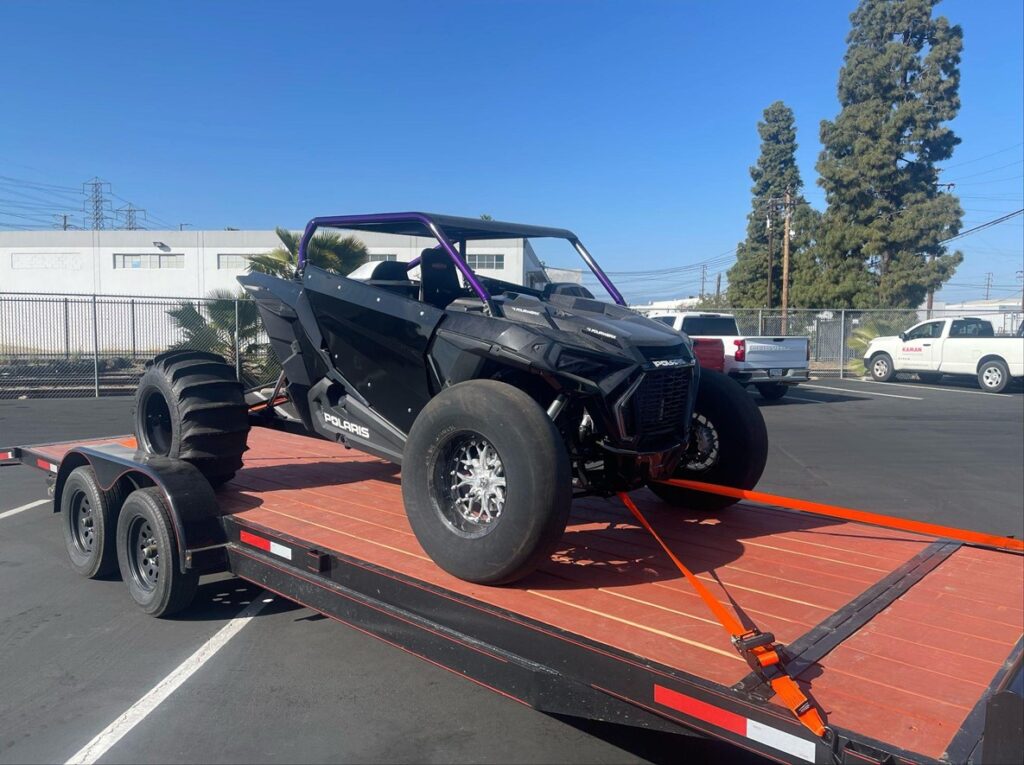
46,465
735,723
6,456
265,544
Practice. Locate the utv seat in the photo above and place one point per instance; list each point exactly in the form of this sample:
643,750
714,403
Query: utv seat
391,275
439,281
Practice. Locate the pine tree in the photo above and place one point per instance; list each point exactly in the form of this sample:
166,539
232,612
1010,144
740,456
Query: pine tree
880,236
774,174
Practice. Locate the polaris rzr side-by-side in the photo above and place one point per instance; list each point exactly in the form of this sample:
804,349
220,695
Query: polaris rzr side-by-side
500,401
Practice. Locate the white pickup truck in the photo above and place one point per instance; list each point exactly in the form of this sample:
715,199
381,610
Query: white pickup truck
771,364
962,346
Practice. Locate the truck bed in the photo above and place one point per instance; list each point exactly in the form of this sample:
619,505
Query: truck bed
900,638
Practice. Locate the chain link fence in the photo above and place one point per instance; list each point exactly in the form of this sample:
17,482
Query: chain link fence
97,345
57,346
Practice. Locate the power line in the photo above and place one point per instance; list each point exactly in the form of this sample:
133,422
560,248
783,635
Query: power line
985,156
983,226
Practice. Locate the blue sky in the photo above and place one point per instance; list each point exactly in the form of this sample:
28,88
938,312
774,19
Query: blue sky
633,123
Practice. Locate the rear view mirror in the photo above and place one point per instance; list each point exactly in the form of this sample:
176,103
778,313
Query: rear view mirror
903,335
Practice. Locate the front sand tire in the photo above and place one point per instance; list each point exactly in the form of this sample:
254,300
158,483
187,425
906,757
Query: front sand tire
728,445
486,482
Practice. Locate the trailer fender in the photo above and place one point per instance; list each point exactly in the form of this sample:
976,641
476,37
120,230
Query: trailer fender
189,496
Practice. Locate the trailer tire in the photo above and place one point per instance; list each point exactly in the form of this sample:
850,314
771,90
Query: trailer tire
880,367
89,522
993,376
190,406
728,445
772,391
509,510
148,555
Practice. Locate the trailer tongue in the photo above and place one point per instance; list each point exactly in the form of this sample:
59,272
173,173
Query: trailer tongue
907,643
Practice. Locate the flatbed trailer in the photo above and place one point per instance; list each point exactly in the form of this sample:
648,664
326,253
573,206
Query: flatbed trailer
909,643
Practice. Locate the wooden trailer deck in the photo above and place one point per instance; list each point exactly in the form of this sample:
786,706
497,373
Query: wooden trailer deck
910,673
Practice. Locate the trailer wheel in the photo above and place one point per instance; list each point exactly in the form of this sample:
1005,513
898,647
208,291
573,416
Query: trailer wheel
993,376
148,556
728,445
880,367
486,482
772,391
89,521
190,406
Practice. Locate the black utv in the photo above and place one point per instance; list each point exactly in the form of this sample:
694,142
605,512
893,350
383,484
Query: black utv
500,401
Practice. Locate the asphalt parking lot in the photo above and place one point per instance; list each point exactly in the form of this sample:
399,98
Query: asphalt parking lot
75,656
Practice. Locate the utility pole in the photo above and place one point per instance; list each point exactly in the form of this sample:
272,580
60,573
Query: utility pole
771,264
1020,278
718,287
703,276
181,226
96,203
787,220
988,285
62,221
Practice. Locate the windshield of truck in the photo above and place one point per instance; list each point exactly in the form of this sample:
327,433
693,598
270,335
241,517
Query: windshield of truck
710,325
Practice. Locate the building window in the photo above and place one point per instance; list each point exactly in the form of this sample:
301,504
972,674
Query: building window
232,262
149,261
492,262
377,257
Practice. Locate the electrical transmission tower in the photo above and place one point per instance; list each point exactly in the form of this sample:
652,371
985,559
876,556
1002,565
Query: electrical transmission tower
129,213
96,203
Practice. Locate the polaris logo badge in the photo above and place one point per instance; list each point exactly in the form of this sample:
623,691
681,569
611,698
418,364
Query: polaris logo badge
524,310
599,333
351,427
669,362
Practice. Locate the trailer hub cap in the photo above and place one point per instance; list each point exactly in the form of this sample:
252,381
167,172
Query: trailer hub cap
475,479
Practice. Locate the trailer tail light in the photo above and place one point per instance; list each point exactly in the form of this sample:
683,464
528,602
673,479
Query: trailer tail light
741,350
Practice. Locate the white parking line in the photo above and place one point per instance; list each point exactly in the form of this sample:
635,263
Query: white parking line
940,388
809,400
23,508
138,711
851,390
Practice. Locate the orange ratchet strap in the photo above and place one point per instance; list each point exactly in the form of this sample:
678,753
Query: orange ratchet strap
860,516
757,648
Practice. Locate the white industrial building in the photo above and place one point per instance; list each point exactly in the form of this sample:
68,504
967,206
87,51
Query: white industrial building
192,263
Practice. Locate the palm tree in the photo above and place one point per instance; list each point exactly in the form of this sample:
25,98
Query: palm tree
328,250
209,325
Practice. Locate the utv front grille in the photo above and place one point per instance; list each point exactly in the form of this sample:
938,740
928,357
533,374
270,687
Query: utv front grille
660,400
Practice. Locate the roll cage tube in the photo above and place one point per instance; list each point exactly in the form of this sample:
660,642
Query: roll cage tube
341,221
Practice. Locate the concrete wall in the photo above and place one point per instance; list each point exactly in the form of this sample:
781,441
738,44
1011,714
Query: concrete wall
83,262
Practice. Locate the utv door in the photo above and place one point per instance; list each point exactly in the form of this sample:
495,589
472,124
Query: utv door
377,340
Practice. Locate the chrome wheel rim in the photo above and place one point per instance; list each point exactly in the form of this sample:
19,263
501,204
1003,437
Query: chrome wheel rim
702,453
992,377
880,368
472,484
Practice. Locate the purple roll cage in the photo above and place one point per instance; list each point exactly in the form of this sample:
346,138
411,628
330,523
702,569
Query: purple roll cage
464,229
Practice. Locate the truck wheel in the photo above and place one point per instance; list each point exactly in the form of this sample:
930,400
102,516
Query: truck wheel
929,377
993,376
772,391
486,482
190,406
148,556
881,367
89,520
728,445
